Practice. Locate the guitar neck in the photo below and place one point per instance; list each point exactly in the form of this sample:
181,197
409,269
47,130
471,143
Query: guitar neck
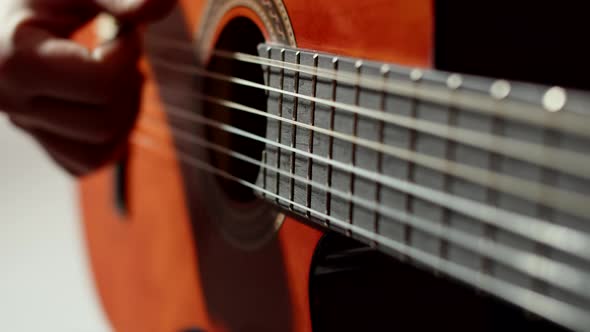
483,180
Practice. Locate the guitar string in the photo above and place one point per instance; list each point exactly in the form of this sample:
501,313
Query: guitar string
553,309
537,266
575,203
515,109
562,238
550,157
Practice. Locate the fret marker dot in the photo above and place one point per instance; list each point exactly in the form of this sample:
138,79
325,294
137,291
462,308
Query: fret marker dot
385,69
358,64
500,89
416,74
554,99
454,81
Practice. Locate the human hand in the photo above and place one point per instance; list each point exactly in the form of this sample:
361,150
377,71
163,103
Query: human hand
79,104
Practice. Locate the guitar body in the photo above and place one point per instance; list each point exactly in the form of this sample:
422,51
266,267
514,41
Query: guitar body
162,263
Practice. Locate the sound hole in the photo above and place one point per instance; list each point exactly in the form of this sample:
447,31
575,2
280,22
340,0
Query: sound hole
239,35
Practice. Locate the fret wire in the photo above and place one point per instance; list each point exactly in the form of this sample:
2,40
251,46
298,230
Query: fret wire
492,196
267,71
357,92
410,169
546,213
450,154
280,123
552,309
329,170
571,162
381,137
294,117
565,239
566,277
314,82
573,202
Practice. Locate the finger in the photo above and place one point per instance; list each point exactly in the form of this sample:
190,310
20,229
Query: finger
75,169
72,120
61,17
49,66
7,102
86,122
79,158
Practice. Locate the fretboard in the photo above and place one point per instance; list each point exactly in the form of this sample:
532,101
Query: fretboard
484,180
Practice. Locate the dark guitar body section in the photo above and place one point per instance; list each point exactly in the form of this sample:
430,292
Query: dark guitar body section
356,288
535,42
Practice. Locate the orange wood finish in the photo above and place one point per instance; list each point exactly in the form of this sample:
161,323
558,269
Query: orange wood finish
156,269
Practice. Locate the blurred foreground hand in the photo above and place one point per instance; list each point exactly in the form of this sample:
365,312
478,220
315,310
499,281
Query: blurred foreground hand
80,104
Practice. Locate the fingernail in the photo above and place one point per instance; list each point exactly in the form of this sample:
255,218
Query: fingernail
129,4
120,6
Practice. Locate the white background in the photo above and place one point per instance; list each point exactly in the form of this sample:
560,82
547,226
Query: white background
45,282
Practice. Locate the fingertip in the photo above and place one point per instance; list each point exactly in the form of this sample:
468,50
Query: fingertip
62,48
125,48
39,42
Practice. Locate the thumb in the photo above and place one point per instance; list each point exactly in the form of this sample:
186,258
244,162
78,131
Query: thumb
136,11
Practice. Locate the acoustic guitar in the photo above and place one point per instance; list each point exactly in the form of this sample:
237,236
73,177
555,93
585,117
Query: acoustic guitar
350,165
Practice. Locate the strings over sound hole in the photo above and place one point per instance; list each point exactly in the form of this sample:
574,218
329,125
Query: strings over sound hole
239,35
